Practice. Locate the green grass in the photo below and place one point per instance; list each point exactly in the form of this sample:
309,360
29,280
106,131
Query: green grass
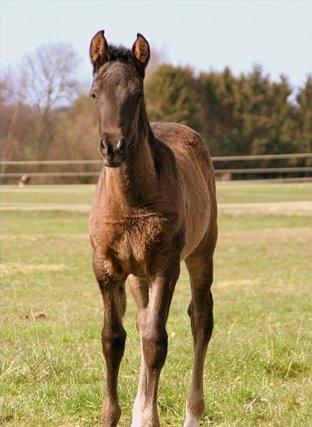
228,192
52,194
259,364
240,192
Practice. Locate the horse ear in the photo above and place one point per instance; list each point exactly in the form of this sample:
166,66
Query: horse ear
141,49
98,48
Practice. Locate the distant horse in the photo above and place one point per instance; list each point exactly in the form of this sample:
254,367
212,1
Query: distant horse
155,205
24,180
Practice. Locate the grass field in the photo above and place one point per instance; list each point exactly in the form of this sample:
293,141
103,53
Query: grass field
259,364
228,192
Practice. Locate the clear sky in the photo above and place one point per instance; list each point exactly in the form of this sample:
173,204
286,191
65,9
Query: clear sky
203,34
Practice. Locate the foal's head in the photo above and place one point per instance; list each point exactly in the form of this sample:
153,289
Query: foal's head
117,90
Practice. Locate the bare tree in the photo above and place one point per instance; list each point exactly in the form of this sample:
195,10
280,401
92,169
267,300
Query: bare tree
6,88
47,77
8,114
45,81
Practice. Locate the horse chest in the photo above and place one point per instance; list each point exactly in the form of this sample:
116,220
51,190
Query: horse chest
133,243
131,246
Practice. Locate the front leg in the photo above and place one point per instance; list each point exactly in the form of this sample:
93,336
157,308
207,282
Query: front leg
139,289
155,339
113,334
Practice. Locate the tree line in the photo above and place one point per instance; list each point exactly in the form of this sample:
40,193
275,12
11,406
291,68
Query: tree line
46,113
236,115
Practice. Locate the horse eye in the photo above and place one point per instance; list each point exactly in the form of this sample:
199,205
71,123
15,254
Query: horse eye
93,95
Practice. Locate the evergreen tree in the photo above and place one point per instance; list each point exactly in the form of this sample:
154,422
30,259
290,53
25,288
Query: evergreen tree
172,96
304,114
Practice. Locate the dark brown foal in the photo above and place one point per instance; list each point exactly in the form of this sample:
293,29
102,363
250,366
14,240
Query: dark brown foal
154,206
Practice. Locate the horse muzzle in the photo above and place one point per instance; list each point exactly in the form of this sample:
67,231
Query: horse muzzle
113,151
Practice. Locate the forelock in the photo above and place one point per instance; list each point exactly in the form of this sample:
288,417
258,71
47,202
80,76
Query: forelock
120,54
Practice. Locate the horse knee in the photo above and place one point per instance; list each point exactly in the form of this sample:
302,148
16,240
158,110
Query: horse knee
201,315
113,343
204,325
155,349
208,327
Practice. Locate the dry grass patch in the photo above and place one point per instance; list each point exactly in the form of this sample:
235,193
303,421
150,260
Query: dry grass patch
266,235
26,268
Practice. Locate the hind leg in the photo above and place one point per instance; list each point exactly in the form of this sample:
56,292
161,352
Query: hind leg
200,267
139,289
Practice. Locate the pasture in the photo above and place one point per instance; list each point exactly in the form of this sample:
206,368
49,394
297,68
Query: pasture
259,364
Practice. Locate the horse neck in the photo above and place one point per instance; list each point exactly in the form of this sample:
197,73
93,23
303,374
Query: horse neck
134,183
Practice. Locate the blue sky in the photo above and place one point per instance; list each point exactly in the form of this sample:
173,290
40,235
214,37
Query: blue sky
203,34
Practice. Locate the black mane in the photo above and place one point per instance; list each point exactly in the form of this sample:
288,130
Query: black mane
121,54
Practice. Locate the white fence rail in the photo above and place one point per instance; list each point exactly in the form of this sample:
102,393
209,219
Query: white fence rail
305,170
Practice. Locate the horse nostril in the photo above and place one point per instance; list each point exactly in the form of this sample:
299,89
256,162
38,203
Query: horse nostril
121,144
110,147
106,148
102,145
